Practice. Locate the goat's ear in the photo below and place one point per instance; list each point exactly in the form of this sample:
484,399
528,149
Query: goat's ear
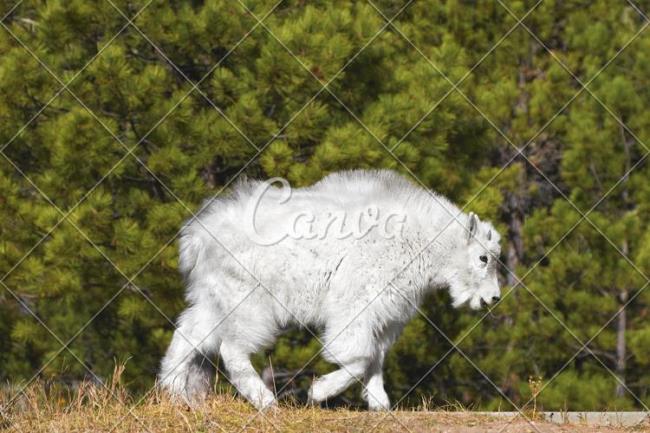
472,225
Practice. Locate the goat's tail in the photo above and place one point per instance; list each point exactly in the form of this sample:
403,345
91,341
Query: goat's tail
191,247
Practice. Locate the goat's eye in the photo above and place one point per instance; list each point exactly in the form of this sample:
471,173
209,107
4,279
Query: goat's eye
484,259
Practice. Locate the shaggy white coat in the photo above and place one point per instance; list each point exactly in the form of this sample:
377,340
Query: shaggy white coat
341,286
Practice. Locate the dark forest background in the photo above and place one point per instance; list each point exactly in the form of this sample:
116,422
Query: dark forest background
161,112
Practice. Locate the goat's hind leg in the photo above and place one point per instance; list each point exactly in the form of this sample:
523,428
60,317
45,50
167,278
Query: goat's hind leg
186,370
243,376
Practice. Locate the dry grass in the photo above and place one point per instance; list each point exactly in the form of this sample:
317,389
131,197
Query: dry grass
95,408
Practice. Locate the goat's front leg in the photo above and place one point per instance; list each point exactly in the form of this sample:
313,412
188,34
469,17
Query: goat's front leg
336,382
373,389
352,347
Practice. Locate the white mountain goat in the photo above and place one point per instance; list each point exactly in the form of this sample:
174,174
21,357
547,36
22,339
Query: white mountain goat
352,255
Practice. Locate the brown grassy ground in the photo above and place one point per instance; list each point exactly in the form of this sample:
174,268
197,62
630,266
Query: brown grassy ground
92,408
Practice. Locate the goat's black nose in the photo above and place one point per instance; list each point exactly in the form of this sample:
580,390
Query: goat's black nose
496,298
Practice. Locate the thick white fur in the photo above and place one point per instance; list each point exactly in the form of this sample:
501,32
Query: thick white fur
330,283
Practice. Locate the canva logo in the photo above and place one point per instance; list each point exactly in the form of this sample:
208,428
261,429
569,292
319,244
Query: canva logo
274,213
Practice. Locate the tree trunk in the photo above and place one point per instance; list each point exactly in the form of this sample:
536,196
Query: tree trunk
621,324
621,320
515,240
514,200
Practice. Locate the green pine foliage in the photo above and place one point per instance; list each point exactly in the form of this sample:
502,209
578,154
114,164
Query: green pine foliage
130,150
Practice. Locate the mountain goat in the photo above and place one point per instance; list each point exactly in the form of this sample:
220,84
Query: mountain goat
353,255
